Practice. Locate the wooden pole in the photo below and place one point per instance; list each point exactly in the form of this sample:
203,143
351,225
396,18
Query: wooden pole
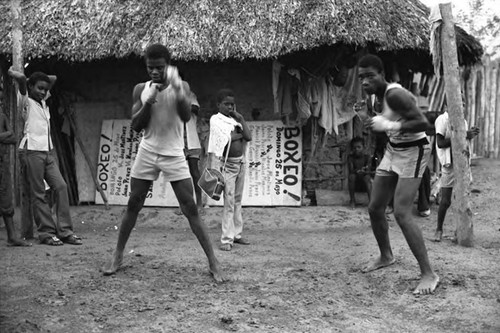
22,178
492,101
471,91
460,202
496,107
480,111
487,98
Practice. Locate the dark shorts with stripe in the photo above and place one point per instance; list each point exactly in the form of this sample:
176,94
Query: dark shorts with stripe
407,160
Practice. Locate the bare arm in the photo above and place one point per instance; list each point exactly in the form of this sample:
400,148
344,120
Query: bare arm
183,101
245,134
211,159
53,80
20,78
350,165
404,105
443,142
6,134
141,113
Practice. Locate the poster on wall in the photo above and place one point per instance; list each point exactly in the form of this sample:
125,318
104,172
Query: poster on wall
273,175
274,165
117,150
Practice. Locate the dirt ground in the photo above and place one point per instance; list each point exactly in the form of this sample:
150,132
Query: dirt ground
301,274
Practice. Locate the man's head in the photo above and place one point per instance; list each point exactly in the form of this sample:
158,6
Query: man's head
225,101
357,145
371,73
38,86
157,58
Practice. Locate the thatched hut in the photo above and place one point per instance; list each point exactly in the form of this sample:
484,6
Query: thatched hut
94,48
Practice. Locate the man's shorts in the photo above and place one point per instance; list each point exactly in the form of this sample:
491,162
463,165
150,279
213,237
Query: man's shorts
193,153
447,177
407,162
148,165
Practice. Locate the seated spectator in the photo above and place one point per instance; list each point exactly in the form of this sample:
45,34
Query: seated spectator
359,164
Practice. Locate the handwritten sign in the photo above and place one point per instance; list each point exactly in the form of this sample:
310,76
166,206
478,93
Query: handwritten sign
117,150
274,165
273,176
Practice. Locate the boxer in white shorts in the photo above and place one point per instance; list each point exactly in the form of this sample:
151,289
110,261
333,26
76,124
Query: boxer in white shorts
161,107
400,171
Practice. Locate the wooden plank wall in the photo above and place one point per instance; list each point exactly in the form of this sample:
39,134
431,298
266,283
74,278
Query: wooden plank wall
481,87
482,91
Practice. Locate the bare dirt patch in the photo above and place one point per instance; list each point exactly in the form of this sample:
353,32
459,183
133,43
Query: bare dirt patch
301,274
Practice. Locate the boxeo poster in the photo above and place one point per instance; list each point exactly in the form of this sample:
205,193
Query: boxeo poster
273,175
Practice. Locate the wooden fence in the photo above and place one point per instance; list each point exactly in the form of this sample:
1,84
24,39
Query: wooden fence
481,88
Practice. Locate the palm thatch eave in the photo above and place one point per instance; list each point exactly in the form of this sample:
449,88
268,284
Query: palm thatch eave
85,30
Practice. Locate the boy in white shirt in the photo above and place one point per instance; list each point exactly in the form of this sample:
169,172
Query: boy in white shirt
41,161
229,134
447,180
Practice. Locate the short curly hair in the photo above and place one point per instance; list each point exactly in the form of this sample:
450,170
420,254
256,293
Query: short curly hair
38,76
157,51
371,60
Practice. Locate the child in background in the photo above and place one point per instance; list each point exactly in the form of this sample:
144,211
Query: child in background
7,137
359,164
229,134
444,153
40,158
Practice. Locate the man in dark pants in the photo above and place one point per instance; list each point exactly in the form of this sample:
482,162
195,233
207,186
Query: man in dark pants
40,159
424,191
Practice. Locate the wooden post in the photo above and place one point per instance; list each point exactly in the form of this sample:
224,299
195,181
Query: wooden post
471,105
18,64
492,101
487,111
460,202
496,107
480,111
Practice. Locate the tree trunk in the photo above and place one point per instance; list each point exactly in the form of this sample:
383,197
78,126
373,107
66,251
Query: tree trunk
460,201
497,114
22,179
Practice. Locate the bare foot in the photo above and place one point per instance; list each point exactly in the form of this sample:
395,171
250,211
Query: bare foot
17,242
201,211
178,212
427,285
216,273
113,265
438,236
377,264
352,204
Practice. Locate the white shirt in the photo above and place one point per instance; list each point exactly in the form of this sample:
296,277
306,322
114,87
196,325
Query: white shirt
36,123
221,127
443,127
192,139
164,134
387,112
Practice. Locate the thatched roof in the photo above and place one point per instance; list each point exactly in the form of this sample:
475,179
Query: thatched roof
84,30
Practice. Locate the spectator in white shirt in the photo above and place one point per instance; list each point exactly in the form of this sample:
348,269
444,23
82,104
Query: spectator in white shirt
41,161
